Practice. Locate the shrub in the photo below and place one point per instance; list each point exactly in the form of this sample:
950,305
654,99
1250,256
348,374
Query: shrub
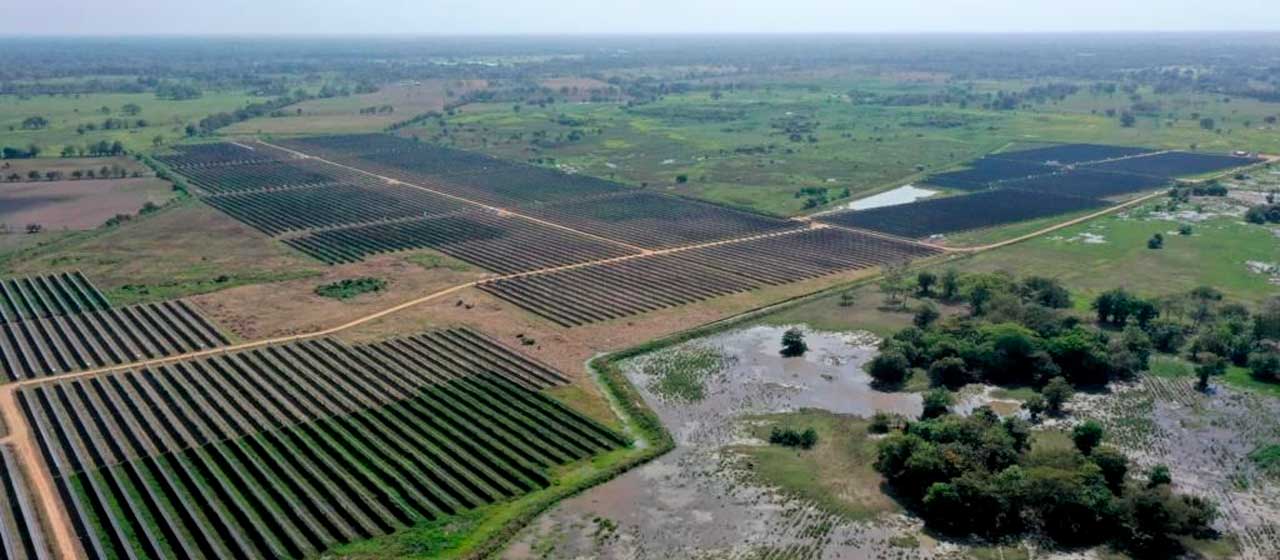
935,403
788,437
889,368
1265,366
883,422
351,287
1156,241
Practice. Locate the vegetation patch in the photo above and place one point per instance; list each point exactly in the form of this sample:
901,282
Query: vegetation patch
835,474
1267,458
351,287
681,374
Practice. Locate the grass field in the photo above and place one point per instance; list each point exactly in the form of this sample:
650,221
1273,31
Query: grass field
1112,252
836,475
165,118
185,249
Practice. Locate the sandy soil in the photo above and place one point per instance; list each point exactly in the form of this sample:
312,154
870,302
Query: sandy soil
292,307
693,502
83,204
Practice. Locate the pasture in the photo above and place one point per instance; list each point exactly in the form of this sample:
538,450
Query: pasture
340,115
1112,251
66,113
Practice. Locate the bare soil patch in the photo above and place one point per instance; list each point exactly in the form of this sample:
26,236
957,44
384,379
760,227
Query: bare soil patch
83,204
292,307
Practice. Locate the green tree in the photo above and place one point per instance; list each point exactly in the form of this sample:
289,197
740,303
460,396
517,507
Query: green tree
1087,436
1208,365
949,371
935,403
925,281
926,315
889,368
793,344
1056,394
950,283
1159,476
1035,405
1114,466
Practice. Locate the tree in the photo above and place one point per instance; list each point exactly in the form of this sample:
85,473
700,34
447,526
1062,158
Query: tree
682,179
130,109
935,403
894,285
1056,394
793,343
1266,322
889,368
1156,241
35,123
925,281
1127,119
949,371
848,298
926,315
1035,406
1265,366
1159,476
1087,436
950,284
1208,365
1114,466
1208,123
1184,229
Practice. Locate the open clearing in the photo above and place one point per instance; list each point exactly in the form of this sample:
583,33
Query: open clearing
342,114
83,204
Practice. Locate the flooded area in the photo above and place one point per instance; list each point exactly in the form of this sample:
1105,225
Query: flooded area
698,501
900,195
690,503
1206,440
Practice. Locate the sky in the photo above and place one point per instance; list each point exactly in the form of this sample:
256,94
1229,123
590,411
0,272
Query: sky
503,17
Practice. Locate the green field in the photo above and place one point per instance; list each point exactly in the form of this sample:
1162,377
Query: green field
1215,254
166,118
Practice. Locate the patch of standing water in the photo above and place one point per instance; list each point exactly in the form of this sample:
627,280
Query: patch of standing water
900,195
690,502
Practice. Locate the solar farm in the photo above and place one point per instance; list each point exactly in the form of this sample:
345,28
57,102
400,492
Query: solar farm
290,447
623,250
1011,187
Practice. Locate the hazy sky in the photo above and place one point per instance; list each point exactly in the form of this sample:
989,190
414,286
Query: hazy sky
95,17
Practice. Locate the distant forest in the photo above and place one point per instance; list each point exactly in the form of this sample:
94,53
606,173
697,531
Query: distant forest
1240,64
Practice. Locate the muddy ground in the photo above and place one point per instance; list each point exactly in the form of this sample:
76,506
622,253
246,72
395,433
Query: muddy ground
694,502
1205,439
